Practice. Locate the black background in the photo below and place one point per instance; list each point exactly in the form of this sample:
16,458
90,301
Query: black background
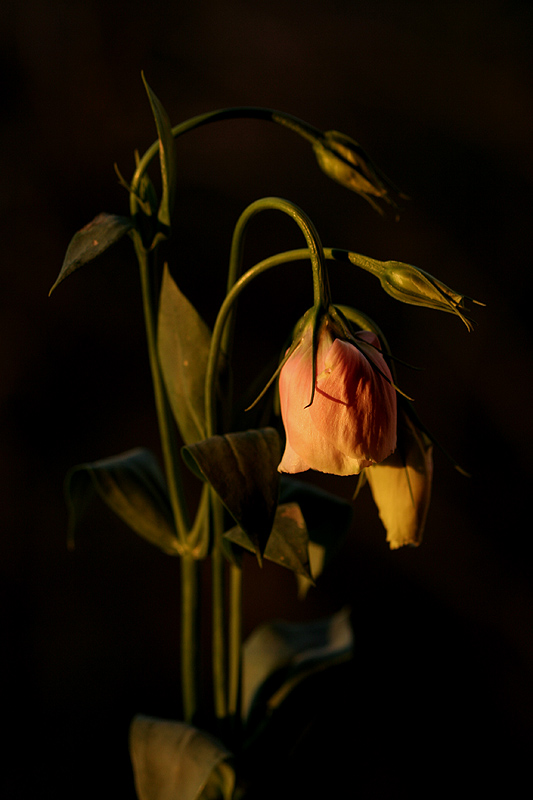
440,95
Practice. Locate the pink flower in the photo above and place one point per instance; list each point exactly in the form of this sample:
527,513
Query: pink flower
351,423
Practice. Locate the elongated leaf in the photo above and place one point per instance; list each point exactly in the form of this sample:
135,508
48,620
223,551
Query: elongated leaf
183,341
242,469
174,761
131,485
91,241
278,655
167,157
287,544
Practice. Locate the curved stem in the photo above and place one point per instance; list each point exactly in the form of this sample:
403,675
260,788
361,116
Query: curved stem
223,329
221,340
298,126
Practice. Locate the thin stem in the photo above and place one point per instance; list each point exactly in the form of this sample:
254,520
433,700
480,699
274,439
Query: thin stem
221,340
298,126
218,605
189,634
235,641
189,576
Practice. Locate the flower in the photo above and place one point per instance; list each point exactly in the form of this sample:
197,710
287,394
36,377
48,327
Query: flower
349,421
401,485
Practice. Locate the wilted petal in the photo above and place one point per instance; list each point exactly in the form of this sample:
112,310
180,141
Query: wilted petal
401,486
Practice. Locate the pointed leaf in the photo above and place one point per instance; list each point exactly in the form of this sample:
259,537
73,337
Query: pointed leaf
174,761
278,655
287,544
131,485
183,341
242,469
327,516
328,520
167,157
91,241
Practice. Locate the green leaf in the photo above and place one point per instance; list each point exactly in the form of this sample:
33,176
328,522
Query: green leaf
287,544
174,761
183,341
327,516
279,655
91,241
167,158
242,469
132,486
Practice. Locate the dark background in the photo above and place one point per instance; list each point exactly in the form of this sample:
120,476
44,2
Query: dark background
440,94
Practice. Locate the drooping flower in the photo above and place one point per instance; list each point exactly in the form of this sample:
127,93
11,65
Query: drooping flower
401,485
349,421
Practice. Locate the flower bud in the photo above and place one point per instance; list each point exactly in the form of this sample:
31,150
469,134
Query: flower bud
416,287
401,485
349,421
345,161
412,285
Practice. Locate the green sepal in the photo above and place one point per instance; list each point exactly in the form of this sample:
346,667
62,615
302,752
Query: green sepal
242,469
172,759
91,241
287,544
167,158
132,485
183,341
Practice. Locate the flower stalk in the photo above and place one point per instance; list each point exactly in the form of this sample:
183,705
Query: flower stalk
337,392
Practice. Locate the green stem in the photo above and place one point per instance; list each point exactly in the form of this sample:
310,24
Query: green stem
189,568
221,341
235,642
189,634
218,605
298,126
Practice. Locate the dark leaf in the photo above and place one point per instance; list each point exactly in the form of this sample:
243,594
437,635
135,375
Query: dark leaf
287,543
278,655
131,485
327,516
242,469
167,157
91,241
173,760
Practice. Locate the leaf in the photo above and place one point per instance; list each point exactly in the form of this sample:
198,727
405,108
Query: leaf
183,341
278,655
132,486
287,544
174,761
91,241
327,516
167,158
242,469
